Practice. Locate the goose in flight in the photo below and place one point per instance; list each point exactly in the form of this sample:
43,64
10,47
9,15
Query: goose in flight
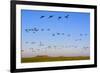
59,17
35,29
68,35
85,34
42,17
41,44
42,29
50,16
67,16
62,33
58,33
81,34
48,29
33,42
53,34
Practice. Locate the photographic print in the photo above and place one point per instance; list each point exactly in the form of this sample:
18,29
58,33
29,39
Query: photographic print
50,36
54,36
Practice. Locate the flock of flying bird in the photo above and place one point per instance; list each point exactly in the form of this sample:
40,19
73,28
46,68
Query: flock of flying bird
51,16
35,30
46,47
41,44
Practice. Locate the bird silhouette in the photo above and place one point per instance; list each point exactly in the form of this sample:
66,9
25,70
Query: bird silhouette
26,30
38,49
59,17
35,29
48,29
33,32
55,47
30,29
80,39
41,44
49,46
22,50
58,33
76,40
33,51
75,46
85,34
26,42
68,35
42,29
53,34
85,48
67,16
42,17
50,16
31,48
81,34
33,42
62,33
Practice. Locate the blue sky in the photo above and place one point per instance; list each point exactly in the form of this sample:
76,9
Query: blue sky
77,25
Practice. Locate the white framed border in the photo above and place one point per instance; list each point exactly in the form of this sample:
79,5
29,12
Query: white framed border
20,65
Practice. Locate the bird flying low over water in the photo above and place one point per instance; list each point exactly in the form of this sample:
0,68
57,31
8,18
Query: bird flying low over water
42,16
